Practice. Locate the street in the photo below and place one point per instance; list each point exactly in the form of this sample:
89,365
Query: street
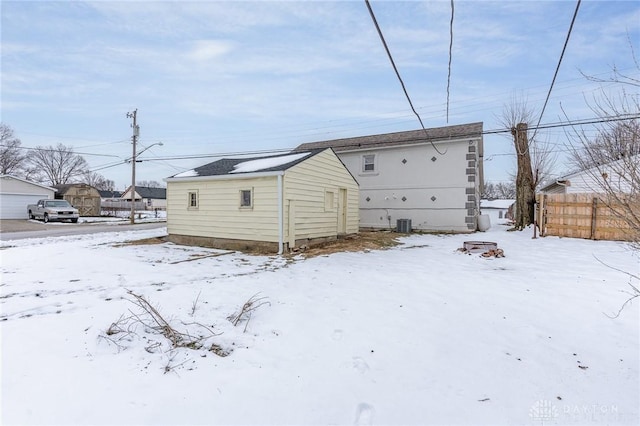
22,229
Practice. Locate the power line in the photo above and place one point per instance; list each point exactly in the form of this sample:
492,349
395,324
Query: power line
485,132
553,125
56,150
564,48
464,135
450,55
393,64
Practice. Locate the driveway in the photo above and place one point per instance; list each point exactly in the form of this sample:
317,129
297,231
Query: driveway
22,228
21,225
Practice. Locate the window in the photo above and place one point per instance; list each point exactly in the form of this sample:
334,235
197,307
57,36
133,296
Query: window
369,163
328,201
193,199
246,199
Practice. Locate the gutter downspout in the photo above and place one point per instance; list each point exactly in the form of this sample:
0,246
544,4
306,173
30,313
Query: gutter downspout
280,216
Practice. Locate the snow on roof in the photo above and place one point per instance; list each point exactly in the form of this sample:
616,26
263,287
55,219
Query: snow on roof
266,163
188,173
496,204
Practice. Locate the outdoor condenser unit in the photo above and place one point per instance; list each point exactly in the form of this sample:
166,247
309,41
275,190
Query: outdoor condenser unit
403,226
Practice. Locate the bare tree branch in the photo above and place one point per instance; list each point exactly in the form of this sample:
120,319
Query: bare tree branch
12,158
57,165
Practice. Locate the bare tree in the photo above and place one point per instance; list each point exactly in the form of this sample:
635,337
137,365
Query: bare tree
12,157
612,143
488,191
149,184
534,160
98,181
57,165
525,186
500,191
505,190
611,158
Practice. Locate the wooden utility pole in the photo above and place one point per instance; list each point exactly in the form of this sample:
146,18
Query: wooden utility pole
136,129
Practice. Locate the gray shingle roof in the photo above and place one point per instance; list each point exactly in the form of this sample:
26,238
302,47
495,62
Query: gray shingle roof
109,194
226,166
436,134
154,193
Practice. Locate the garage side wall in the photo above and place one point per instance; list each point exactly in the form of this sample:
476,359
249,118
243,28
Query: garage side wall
218,213
315,186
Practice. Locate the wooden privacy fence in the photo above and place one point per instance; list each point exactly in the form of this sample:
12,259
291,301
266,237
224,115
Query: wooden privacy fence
589,216
119,205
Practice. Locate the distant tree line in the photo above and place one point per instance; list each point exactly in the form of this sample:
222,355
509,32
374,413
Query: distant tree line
49,165
499,191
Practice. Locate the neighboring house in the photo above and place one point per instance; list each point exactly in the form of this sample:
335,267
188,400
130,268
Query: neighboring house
616,176
271,203
83,197
17,193
109,195
497,210
432,177
152,198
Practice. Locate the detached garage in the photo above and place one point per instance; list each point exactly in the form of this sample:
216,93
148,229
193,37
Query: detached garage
16,194
272,203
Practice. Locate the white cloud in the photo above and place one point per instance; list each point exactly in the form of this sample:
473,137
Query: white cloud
273,74
205,50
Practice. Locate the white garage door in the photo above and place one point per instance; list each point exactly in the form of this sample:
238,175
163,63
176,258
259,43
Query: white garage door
14,206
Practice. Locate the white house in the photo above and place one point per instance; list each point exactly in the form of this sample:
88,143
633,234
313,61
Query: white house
17,193
432,177
497,210
152,198
273,203
619,176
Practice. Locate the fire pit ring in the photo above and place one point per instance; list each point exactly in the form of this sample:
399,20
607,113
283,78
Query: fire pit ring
479,246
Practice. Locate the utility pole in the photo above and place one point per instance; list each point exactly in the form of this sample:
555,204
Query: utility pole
136,131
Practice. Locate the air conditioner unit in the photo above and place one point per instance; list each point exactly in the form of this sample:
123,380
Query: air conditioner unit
403,226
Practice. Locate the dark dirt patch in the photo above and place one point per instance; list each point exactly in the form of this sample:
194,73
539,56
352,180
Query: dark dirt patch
143,242
368,240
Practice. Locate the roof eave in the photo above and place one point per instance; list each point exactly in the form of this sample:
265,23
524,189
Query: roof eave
28,181
228,176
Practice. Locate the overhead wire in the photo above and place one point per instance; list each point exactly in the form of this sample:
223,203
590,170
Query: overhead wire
450,57
555,74
462,135
393,64
553,125
56,150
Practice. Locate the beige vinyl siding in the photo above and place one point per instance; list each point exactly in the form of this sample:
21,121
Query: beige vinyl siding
306,184
219,214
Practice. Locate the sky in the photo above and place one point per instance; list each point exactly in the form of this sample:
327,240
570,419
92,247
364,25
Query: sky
213,78
439,337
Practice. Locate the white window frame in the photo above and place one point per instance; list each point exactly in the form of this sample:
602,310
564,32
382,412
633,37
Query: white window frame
191,197
250,205
329,200
369,160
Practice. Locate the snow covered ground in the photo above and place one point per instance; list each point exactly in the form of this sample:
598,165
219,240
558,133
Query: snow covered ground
417,334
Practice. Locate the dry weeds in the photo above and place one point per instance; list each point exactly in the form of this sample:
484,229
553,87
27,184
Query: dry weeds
363,241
